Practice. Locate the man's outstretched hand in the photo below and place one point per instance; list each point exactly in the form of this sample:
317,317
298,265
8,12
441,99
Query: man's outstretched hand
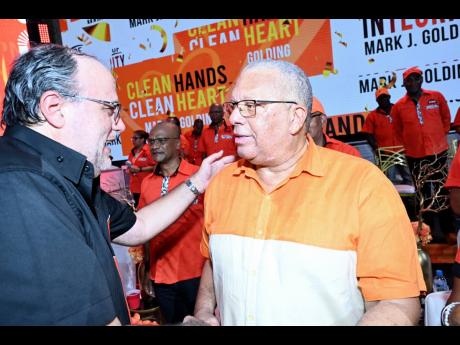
210,167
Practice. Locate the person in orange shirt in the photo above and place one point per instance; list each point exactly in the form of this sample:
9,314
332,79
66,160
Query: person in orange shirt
421,120
316,130
175,259
140,163
456,123
218,136
296,234
451,312
193,138
318,121
184,144
379,131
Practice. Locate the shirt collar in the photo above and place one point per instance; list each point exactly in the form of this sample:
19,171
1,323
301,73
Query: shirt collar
424,92
69,163
310,163
185,168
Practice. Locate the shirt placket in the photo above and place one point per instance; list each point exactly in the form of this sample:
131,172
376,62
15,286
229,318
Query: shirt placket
254,260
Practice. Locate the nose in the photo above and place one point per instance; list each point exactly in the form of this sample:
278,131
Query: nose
235,116
119,126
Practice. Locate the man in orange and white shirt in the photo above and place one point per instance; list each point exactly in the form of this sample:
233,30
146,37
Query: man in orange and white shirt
316,130
380,133
296,234
174,256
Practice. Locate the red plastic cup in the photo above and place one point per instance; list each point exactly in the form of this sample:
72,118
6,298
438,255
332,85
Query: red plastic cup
134,298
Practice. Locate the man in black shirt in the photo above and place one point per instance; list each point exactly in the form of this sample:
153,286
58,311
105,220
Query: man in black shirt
57,264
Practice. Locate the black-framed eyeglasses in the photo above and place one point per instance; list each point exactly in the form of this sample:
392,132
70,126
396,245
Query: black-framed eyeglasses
247,107
161,141
115,106
136,138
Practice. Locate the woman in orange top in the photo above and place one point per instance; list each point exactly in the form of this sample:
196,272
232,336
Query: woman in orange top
140,163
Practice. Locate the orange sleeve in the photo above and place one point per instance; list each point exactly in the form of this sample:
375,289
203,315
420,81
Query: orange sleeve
445,113
453,179
385,231
397,123
457,119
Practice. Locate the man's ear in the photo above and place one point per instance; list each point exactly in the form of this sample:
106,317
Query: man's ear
298,117
51,103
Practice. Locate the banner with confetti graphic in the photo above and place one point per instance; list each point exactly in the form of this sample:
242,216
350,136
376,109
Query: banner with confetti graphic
14,41
179,67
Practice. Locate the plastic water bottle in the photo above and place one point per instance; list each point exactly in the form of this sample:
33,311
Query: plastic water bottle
440,282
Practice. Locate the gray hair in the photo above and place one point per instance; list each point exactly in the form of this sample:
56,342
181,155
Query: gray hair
296,84
43,68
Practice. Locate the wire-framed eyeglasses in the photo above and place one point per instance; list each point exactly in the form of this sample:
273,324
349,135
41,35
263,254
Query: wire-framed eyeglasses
160,141
247,107
115,106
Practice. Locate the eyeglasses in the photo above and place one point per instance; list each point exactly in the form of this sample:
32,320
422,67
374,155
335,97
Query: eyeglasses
135,138
115,106
247,107
161,141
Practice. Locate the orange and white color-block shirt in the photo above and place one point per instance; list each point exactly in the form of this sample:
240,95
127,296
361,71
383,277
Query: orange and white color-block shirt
331,236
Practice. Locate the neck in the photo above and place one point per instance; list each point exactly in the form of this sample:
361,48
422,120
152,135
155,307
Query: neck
271,176
321,140
415,95
387,108
170,167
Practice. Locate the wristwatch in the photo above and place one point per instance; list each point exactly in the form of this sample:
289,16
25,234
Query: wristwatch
446,312
192,187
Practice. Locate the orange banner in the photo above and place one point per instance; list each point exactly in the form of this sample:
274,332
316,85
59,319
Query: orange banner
14,39
207,61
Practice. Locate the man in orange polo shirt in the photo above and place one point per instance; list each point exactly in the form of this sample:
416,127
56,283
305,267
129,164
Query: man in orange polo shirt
379,131
421,120
218,136
316,130
175,260
296,234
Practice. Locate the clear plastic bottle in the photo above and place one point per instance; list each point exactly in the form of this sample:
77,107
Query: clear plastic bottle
440,282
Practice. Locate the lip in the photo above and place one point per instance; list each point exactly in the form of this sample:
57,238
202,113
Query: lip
242,139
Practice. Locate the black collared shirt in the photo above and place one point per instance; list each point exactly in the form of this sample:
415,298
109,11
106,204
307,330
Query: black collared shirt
56,261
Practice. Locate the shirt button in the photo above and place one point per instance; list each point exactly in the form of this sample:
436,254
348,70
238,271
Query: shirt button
60,159
86,168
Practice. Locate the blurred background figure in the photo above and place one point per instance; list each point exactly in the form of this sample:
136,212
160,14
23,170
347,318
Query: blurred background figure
193,137
316,128
184,143
379,132
140,163
218,136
